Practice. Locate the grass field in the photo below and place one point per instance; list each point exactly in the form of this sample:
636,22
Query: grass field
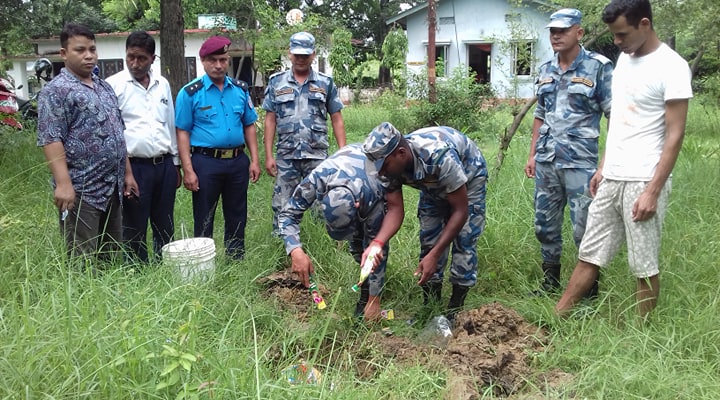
146,335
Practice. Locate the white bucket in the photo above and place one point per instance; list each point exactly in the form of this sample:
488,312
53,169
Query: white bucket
195,257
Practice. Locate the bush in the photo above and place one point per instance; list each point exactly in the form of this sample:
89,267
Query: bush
459,101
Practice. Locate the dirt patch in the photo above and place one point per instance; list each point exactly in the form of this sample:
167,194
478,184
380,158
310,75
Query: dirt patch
491,349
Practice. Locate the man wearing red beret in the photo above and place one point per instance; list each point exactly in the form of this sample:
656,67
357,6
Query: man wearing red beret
215,122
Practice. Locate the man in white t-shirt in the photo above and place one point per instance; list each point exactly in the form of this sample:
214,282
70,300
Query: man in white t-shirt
650,94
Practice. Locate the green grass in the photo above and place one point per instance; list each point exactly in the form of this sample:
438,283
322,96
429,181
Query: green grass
68,335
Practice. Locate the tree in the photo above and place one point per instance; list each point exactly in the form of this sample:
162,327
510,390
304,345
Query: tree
172,44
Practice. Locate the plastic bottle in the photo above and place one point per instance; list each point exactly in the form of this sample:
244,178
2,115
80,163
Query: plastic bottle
437,332
317,297
366,268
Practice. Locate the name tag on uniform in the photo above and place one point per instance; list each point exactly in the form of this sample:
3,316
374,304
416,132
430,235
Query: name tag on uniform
317,90
205,108
584,81
283,91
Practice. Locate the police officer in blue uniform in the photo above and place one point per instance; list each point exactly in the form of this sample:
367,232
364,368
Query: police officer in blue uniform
215,124
298,103
450,171
573,90
352,201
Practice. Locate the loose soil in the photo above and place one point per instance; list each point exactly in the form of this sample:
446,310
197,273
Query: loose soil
491,349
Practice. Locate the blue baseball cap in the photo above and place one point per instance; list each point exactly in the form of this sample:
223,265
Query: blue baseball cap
381,142
565,18
302,43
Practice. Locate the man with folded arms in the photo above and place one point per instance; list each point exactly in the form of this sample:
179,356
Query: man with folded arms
214,120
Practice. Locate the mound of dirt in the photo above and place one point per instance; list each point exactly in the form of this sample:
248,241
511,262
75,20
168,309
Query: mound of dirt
491,347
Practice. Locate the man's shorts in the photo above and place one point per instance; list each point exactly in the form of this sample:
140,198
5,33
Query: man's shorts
610,223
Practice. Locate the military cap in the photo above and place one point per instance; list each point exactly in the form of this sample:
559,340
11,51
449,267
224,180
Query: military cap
302,43
381,142
565,18
214,45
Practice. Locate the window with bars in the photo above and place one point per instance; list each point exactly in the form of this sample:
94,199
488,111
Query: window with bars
523,54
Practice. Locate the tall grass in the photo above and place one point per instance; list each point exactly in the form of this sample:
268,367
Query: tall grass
65,334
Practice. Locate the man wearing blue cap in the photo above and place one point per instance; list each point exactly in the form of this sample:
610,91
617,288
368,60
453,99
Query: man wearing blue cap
450,172
352,201
215,121
298,102
573,91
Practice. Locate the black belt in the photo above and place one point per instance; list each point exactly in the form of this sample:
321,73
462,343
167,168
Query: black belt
152,160
219,153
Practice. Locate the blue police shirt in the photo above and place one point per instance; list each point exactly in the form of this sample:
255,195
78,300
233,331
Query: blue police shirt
215,118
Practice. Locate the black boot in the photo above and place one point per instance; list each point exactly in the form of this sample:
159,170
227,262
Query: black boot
457,301
362,302
431,292
551,282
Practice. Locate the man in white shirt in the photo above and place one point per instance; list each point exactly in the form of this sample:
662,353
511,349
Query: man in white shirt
650,95
146,103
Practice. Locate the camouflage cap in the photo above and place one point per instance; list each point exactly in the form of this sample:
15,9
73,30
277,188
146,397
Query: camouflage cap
381,142
339,209
565,18
302,43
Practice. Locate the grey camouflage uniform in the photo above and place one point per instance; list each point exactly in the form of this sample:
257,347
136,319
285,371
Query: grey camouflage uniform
446,159
571,104
341,179
302,111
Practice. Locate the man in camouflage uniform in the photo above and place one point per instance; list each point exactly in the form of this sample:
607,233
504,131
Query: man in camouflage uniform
573,90
353,203
298,102
450,172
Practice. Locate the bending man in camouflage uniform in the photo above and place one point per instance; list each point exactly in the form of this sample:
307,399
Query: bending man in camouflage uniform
450,172
573,91
352,200
298,102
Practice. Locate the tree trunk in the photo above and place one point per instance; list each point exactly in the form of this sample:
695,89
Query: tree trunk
172,44
432,90
695,64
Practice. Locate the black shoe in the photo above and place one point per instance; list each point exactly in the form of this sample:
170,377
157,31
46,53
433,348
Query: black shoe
457,301
362,302
551,282
431,292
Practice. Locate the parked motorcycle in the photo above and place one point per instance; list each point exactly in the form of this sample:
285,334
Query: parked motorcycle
27,108
8,104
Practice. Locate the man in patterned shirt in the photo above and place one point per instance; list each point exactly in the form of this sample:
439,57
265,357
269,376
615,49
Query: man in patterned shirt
298,102
450,172
353,203
573,90
81,132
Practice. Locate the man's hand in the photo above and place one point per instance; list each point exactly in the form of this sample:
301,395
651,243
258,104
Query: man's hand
373,248
302,265
595,182
644,207
254,171
64,197
270,166
426,268
190,180
530,168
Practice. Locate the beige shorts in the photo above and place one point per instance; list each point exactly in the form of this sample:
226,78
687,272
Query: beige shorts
610,223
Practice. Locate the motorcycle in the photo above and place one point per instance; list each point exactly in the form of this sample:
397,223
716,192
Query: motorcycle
27,108
8,104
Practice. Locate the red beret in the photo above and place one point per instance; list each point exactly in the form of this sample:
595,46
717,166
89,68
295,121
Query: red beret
214,44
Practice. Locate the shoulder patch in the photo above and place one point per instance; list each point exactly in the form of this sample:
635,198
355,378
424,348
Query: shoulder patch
192,88
276,74
240,84
599,57
584,81
546,80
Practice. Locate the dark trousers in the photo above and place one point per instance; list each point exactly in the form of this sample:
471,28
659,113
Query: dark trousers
157,183
93,233
226,177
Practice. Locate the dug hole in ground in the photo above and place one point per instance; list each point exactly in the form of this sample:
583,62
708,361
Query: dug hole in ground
491,347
